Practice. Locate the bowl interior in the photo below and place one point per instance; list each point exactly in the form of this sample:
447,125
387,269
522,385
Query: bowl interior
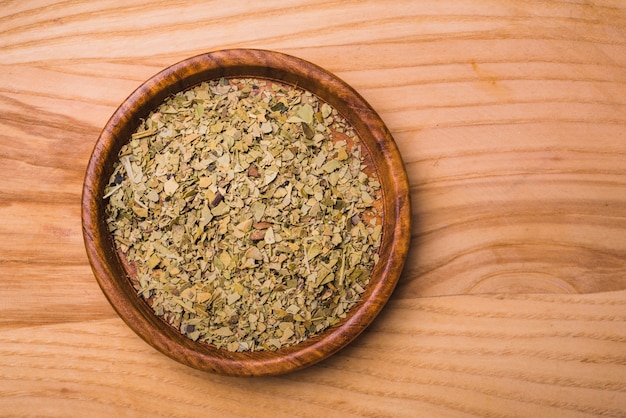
384,159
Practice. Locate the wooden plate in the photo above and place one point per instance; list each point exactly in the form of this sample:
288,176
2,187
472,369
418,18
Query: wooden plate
384,158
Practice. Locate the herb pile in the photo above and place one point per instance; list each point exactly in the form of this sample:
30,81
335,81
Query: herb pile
246,214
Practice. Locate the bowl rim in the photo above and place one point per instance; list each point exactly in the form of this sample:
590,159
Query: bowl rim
262,64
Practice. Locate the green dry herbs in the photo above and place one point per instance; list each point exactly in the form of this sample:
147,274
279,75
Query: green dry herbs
245,214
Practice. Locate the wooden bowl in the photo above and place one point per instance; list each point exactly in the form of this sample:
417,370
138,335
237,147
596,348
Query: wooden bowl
114,279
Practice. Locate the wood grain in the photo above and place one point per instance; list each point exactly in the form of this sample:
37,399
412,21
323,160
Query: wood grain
510,116
489,356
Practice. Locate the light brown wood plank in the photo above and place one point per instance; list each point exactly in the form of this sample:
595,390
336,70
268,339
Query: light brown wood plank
442,356
510,117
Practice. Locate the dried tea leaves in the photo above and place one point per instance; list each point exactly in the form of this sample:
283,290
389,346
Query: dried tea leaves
247,212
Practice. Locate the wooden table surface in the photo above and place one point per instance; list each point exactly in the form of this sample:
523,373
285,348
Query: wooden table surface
510,116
